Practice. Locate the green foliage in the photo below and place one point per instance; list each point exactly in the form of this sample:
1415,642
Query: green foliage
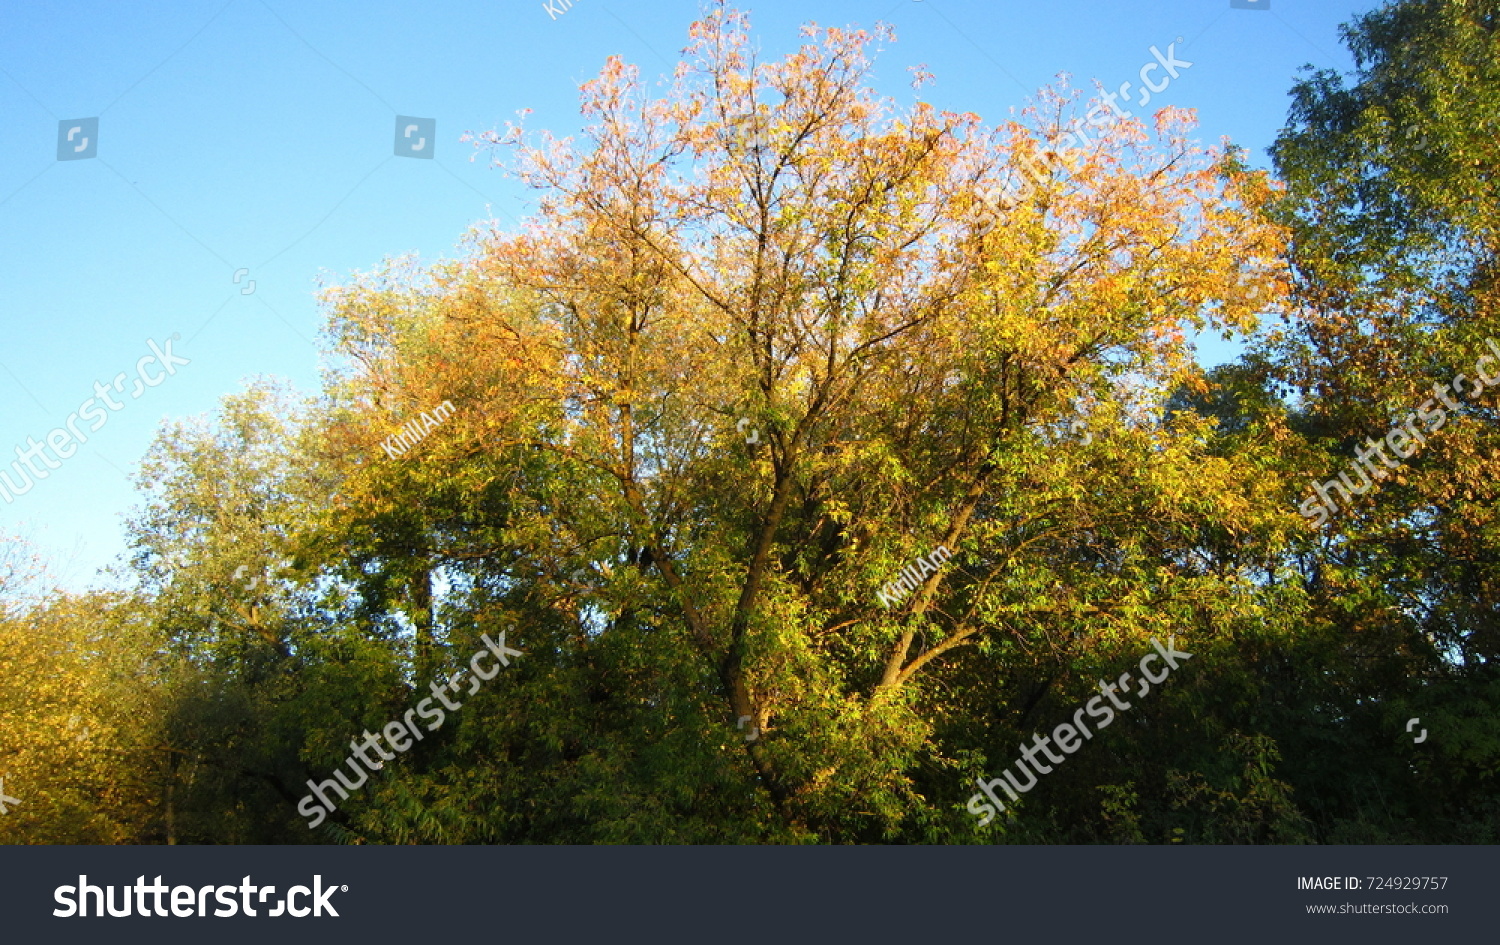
704,656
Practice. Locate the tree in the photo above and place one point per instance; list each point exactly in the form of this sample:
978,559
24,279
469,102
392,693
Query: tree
78,747
1391,201
774,254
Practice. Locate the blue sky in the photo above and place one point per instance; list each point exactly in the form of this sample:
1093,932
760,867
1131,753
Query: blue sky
259,136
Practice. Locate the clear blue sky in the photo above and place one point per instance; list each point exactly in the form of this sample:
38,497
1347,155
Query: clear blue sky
259,135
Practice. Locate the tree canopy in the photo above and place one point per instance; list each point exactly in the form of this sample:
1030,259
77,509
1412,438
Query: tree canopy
770,342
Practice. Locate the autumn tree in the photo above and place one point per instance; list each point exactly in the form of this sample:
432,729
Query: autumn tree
771,339
79,735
